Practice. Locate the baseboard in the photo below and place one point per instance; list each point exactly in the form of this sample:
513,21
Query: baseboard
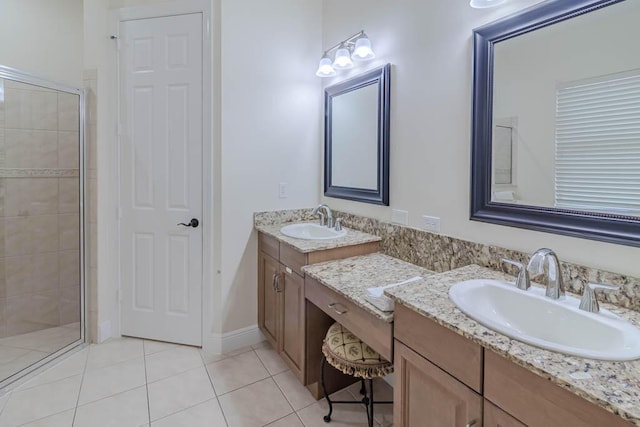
230,341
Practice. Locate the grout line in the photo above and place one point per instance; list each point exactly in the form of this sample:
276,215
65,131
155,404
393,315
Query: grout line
178,373
44,418
9,396
224,416
146,382
84,371
280,419
283,394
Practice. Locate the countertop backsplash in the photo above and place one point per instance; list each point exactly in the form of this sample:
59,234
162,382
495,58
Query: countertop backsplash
443,253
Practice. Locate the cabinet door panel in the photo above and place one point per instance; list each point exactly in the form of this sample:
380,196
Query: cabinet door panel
268,298
292,346
426,396
539,402
496,417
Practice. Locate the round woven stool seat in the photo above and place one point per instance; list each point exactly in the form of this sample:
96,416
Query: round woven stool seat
348,354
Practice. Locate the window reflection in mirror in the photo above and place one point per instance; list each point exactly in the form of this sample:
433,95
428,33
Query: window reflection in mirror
573,88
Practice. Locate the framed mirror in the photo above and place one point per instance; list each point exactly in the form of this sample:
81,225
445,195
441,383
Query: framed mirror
556,120
356,138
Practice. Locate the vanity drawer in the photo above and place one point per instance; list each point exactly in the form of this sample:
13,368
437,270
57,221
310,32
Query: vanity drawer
450,351
538,402
269,245
377,333
292,258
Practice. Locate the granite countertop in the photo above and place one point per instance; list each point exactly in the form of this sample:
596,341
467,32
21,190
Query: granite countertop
353,237
351,277
615,386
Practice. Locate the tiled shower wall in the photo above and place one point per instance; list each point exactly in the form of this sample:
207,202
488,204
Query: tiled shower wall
91,203
39,205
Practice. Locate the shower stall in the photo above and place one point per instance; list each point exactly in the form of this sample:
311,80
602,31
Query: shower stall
41,222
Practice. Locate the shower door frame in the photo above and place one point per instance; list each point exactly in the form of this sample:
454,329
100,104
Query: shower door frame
24,77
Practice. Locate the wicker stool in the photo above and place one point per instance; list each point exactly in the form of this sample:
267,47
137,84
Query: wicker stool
348,354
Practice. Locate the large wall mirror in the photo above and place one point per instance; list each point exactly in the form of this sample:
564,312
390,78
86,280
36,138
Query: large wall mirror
356,135
556,120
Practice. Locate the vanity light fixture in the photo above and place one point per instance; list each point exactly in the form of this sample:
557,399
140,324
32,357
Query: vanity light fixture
483,4
325,69
355,48
343,61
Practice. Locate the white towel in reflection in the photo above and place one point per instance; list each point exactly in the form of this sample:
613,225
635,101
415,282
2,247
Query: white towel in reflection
504,196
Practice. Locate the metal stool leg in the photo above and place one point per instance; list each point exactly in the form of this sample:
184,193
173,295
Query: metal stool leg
327,418
370,406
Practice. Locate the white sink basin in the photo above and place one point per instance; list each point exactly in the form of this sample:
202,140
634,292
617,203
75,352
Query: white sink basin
310,231
530,317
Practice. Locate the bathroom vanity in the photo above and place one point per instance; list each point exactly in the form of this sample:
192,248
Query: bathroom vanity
447,364
449,369
281,287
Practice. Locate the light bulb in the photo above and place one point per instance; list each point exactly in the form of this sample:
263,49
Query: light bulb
483,4
343,59
363,51
325,69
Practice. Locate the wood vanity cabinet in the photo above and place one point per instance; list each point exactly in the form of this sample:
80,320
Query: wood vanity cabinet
438,374
445,380
268,271
496,417
427,396
281,294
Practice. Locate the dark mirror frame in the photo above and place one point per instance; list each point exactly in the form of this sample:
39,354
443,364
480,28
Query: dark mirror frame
610,228
382,77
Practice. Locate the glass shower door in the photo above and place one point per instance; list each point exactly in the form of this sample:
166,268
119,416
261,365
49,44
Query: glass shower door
41,222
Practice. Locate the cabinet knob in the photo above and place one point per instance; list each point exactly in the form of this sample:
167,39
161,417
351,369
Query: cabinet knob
471,423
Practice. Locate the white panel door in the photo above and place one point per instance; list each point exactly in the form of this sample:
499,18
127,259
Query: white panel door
161,178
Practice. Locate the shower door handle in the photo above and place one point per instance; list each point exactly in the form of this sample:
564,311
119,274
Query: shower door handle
193,223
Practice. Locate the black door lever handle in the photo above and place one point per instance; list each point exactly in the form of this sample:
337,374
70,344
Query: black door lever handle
193,223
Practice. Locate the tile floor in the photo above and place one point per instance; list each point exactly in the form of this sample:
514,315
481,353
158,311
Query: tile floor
129,382
20,351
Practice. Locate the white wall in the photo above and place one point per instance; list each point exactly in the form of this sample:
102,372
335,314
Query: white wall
430,47
265,131
529,68
43,37
270,122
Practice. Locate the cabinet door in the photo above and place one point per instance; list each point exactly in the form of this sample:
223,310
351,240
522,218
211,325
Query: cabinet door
268,298
292,339
427,396
496,417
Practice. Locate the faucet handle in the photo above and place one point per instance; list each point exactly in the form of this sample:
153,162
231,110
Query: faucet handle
338,224
522,282
322,218
589,301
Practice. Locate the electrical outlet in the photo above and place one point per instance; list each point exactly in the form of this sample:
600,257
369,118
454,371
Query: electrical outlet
431,223
400,217
282,190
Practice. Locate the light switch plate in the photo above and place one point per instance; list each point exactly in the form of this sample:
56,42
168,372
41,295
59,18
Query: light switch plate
431,223
283,192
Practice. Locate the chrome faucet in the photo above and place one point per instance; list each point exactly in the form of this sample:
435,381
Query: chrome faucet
328,212
545,262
